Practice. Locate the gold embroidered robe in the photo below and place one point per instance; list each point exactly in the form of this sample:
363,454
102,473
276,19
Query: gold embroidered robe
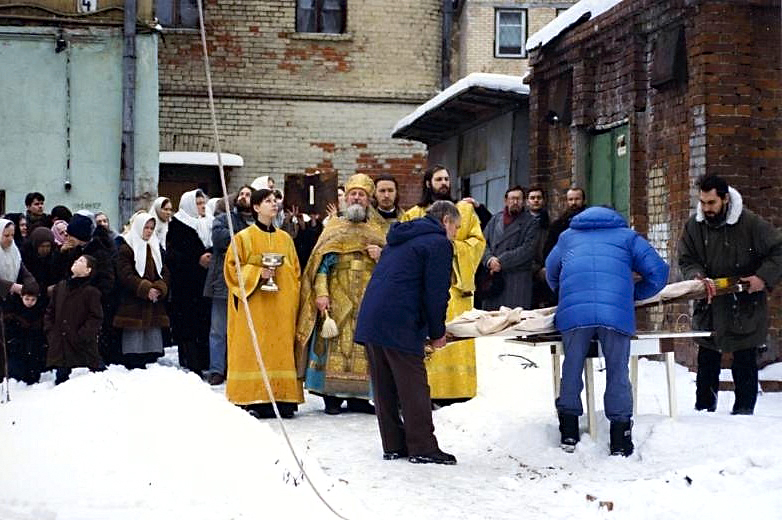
274,319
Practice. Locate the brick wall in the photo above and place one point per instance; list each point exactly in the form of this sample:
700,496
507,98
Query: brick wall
475,34
724,119
289,102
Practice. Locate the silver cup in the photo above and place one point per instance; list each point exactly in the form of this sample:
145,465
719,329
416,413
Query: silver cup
271,260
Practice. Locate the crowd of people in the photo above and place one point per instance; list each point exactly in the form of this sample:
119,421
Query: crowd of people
322,295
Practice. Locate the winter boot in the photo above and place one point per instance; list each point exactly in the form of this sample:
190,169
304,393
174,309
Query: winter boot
622,438
568,428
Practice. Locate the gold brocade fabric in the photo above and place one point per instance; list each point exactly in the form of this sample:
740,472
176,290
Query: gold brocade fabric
274,319
451,370
342,363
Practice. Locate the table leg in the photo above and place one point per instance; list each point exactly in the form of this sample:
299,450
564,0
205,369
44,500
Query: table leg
589,378
556,374
670,373
634,382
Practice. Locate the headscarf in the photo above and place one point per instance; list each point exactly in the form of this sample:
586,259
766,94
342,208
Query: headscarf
15,218
10,257
260,183
188,215
60,232
134,239
161,226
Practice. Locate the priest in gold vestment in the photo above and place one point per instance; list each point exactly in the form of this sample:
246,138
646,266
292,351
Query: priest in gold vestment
273,313
333,283
451,371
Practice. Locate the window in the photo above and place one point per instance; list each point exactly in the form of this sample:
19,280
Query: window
510,33
321,16
177,13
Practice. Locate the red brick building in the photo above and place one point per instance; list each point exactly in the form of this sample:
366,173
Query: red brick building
635,103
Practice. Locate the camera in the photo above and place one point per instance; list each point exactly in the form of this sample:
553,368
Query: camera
68,186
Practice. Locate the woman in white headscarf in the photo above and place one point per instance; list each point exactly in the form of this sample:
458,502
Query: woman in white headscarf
188,251
162,210
144,281
12,271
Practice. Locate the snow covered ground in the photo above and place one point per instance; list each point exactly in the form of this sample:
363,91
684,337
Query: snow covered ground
159,443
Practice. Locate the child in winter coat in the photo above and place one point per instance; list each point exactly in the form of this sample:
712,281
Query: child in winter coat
73,320
24,335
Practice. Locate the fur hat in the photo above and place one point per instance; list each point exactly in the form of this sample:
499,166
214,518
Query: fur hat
361,181
80,227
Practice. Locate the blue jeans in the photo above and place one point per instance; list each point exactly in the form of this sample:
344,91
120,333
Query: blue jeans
218,336
618,398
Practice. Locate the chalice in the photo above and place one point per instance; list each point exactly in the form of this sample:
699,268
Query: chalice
272,261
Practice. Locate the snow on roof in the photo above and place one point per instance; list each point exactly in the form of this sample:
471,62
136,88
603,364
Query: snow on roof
502,82
591,8
201,158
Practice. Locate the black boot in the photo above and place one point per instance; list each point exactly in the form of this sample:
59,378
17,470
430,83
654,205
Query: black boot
568,428
622,438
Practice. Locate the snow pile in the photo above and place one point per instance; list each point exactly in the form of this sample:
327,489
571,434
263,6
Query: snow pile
161,444
588,8
501,82
146,444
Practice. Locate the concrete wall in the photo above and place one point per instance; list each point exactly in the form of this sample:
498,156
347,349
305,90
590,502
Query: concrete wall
65,120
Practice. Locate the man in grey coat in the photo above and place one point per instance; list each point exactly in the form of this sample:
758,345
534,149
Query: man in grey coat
724,239
215,288
511,238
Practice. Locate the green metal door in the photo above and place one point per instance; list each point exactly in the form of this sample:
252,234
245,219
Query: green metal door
609,170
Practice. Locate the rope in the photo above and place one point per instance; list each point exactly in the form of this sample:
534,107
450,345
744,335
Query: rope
235,253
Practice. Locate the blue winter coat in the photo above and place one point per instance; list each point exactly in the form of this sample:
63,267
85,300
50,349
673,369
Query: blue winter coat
407,296
592,265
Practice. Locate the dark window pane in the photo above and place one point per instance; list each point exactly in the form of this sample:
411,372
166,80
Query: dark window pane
306,20
332,16
188,13
164,10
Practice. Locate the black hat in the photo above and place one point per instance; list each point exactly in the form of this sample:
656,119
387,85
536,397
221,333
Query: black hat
80,227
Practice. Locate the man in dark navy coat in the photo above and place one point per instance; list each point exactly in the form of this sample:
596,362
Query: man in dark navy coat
404,303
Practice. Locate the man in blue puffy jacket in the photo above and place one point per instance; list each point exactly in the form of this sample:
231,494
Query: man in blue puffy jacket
592,266
405,302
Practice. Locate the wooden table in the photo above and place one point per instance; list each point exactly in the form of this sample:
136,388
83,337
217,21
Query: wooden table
642,344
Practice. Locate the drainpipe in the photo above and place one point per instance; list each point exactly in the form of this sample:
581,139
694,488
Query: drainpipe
127,189
445,79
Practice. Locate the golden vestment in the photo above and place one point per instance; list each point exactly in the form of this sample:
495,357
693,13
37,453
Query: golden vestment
274,320
337,366
451,371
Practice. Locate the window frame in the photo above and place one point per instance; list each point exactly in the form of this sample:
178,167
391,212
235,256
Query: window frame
318,8
524,32
177,16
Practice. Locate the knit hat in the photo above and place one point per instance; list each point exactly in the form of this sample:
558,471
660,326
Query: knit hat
80,227
361,181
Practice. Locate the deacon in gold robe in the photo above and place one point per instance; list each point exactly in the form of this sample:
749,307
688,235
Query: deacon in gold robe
333,284
451,371
273,314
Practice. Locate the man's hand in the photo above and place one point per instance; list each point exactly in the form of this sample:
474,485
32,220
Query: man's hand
711,288
374,252
438,343
471,201
16,288
756,283
332,210
494,265
204,260
322,303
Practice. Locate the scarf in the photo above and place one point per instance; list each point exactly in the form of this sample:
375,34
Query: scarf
188,215
59,231
10,257
161,226
134,239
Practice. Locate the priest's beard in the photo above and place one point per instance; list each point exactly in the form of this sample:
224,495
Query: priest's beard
356,213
